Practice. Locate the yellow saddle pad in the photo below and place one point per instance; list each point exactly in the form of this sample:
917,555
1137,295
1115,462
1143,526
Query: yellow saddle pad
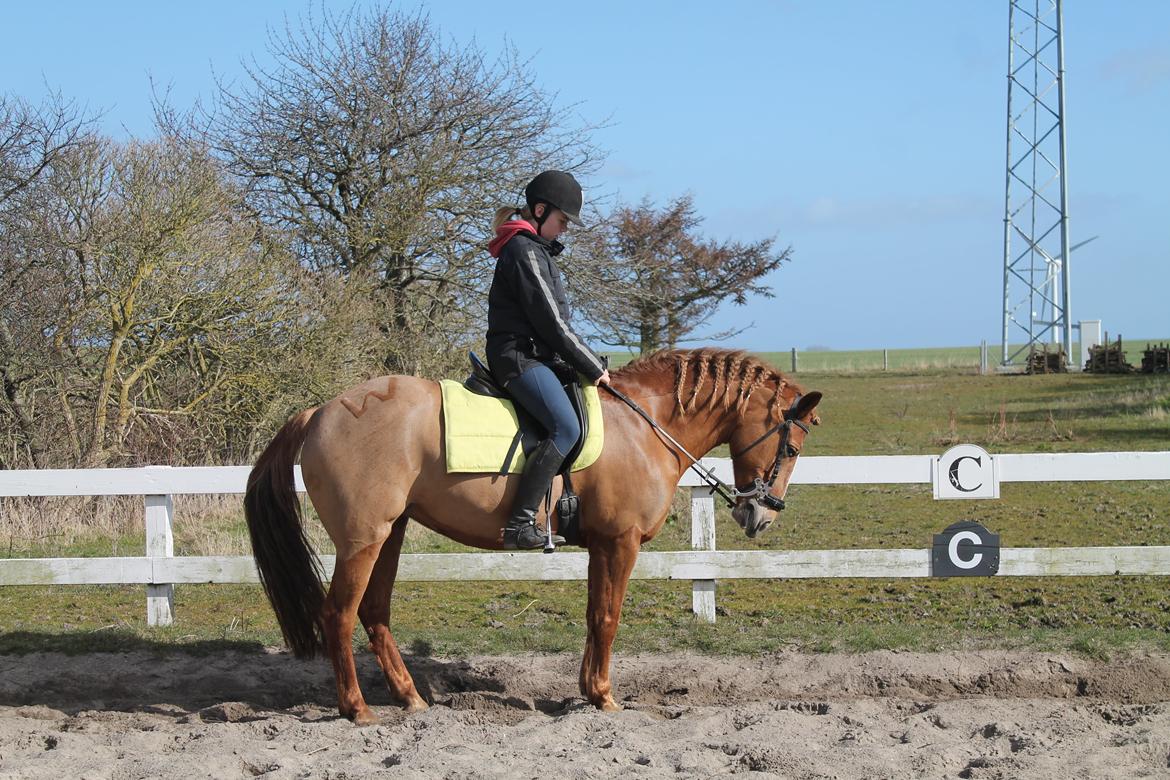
478,430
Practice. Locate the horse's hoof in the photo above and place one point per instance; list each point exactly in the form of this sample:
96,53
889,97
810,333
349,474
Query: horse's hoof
417,706
610,706
364,717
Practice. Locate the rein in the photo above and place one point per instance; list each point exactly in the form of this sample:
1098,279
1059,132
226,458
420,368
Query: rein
760,490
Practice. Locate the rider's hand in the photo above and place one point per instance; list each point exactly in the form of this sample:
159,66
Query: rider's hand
604,378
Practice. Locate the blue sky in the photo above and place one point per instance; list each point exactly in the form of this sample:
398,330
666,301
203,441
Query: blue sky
868,136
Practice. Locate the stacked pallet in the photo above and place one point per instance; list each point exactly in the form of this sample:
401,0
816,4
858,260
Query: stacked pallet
1107,358
1156,359
1044,361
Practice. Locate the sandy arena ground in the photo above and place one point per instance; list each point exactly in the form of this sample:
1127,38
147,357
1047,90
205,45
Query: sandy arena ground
877,715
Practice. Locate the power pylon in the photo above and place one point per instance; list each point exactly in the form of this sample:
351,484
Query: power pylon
1036,272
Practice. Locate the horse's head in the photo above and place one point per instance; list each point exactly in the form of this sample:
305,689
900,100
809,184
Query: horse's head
726,395
764,448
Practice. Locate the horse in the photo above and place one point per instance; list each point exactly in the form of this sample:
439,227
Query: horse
373,458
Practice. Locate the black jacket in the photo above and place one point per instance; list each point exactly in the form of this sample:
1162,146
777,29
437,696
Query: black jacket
528,316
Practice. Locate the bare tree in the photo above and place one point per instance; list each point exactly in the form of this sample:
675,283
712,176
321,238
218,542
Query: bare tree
672,279
384,150
172,300
157,312
33,138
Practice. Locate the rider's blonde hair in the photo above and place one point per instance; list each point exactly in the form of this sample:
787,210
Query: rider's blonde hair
504,213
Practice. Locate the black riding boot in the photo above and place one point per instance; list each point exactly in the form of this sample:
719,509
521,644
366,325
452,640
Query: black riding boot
539,470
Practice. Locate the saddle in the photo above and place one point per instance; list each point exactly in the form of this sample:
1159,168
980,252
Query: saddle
481,382
531,432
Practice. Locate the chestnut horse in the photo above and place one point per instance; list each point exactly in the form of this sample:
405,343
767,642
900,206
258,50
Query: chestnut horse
373,457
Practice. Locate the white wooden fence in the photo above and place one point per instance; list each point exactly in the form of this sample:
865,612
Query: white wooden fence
160,570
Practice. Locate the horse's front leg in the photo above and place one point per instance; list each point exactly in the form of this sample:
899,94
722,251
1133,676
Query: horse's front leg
610,564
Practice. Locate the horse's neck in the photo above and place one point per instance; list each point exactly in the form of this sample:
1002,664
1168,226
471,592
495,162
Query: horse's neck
699,430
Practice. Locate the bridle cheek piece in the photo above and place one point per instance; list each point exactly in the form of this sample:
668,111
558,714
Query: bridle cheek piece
761,490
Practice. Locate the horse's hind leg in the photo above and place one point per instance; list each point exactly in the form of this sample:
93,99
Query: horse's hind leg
374,612
350,579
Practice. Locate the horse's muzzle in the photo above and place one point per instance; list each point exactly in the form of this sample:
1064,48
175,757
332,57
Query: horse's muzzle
753,517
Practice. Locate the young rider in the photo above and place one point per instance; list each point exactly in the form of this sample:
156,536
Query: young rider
529,331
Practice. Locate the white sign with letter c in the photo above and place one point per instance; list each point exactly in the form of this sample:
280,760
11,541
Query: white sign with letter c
965,471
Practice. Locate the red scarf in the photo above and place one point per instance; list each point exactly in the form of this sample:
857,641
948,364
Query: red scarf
505,232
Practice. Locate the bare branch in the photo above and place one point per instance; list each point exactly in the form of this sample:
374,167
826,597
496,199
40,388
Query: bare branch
670,279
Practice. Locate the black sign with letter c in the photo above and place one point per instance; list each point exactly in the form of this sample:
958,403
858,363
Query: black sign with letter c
964,549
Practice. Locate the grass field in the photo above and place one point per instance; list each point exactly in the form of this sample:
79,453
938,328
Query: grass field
895,412
817,361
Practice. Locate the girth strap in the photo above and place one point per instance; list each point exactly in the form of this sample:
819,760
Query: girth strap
504,469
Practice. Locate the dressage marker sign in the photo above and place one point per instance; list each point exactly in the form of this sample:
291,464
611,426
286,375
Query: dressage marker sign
965,549
965,471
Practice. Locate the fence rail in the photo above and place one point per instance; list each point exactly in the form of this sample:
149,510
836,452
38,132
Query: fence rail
810,470
159,570
681,565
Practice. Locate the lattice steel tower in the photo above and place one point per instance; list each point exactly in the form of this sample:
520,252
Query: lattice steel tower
1035,235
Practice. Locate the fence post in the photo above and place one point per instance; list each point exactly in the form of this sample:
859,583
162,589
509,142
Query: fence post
160,543
703,538
794,360
885,360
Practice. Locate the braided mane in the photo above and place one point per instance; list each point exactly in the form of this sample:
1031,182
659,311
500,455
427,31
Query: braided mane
732,375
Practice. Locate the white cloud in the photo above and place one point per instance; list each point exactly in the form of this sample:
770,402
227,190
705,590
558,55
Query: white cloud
1139,70
830,212
616,169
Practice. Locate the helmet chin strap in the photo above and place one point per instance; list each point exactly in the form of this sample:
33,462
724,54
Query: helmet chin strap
554,247
540,220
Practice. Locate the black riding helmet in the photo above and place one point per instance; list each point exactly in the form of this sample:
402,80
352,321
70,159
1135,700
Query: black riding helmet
557,189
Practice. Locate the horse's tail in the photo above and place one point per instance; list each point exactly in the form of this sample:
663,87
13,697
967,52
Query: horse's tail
289,569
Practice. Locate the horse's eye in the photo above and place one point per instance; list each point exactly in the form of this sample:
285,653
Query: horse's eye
791,452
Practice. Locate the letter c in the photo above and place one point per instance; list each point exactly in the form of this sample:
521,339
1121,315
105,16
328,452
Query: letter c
953,550
953,473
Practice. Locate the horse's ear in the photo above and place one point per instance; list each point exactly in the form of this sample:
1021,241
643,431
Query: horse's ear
804,407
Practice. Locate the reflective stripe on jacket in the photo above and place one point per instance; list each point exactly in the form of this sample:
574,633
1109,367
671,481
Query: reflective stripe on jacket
528,314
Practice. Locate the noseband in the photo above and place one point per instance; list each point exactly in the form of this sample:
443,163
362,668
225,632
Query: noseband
760,490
